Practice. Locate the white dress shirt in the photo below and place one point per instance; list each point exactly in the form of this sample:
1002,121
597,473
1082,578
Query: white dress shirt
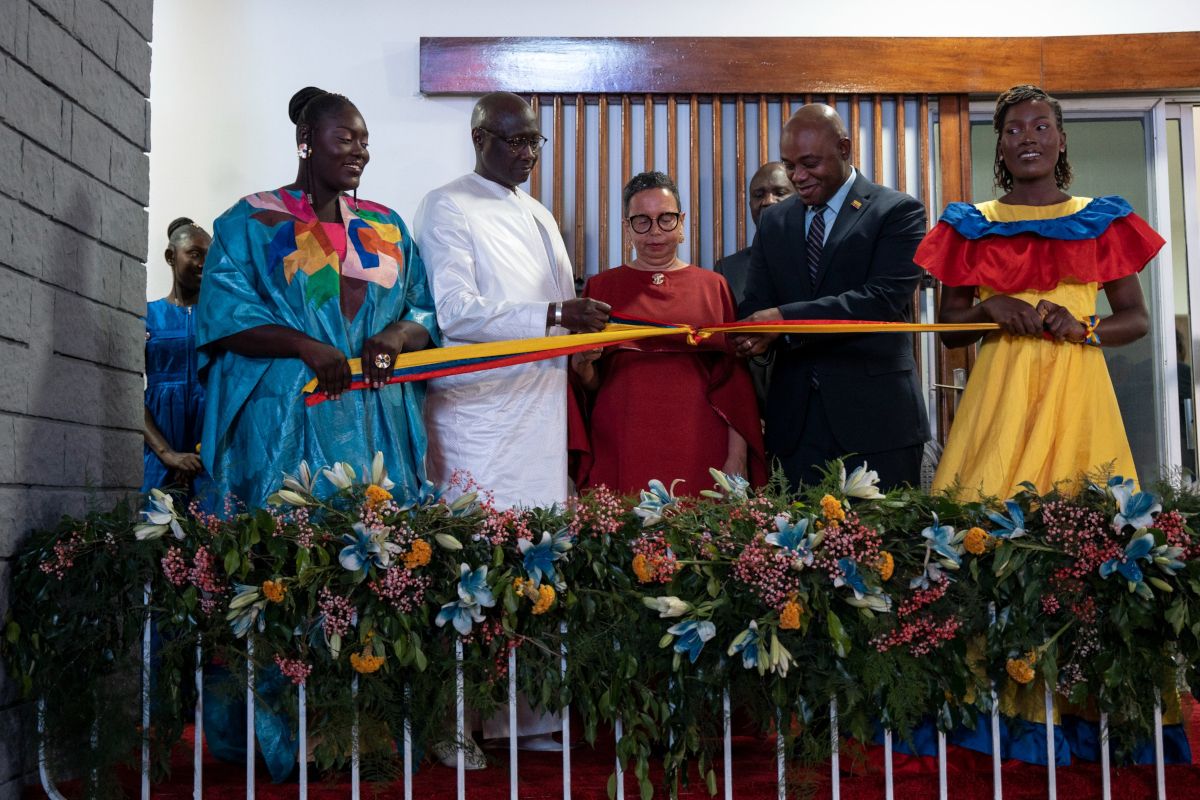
495,260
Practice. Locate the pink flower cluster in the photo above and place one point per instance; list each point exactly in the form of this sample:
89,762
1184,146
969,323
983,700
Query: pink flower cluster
849,539
1050,604
600,513
203,576
757,511
461,479
405,591
1171,524
175,567
1083,534
339,614
660,563
921,599
921,636
1068,676
501,527
376,516
768,572
293,668
306,534
64,556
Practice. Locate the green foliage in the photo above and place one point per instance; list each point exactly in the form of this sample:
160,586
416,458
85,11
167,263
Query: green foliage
352,585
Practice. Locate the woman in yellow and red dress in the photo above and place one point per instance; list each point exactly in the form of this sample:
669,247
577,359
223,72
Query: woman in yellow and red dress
1039,406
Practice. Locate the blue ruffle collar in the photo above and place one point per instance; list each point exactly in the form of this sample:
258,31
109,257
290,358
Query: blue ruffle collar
1088,223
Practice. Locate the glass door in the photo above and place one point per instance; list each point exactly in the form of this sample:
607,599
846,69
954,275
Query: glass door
1181,146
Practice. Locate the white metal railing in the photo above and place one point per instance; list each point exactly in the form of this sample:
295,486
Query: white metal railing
53,793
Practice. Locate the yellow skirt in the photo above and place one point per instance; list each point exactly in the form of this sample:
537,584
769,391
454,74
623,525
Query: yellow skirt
1035,410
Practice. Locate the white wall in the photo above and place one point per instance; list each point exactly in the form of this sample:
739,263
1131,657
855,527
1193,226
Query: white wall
223,72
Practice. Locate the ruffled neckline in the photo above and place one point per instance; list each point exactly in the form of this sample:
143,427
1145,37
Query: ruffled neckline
1089,222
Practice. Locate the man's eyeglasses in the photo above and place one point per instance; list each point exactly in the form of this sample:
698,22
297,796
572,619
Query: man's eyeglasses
641,223
518,143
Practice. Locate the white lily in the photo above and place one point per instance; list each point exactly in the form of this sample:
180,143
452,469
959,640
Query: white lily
342,475
160,518
379,472
667,607
301,483
861,483
289,497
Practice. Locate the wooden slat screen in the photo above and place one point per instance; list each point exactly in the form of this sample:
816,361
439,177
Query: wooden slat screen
713,145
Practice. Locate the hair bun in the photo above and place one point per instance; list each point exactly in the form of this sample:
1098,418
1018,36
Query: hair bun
300,99
178,223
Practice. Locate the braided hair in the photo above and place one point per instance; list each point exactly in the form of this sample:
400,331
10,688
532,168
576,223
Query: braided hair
1019,94
309,106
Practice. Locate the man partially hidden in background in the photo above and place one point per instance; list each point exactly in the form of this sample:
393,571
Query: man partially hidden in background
769,185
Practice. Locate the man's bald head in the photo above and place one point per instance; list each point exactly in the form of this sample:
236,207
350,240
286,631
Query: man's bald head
815,149
497,109
507,135
818,117
769,186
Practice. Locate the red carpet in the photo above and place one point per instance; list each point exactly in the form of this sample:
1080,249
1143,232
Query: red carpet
753,777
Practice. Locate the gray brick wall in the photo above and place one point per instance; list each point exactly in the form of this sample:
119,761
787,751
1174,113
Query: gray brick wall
74,183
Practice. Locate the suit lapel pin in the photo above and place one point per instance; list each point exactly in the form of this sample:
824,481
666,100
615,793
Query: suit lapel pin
856,204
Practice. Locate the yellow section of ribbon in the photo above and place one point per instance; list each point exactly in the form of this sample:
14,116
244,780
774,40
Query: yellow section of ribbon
614,333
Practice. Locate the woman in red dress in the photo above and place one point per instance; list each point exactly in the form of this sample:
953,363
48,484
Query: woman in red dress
662,408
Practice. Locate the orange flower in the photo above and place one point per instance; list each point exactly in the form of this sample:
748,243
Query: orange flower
789,618
1019,670
977,541
419,555
831,507
886,565
365,663
640,569
274,591
546,599
377,495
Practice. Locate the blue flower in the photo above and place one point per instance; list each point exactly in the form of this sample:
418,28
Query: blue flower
793,537
1012,526
656,503
1139,547
246,606
540,557
849,577
427,496
473,587
364,548
749,643
461,613
1167,558
932,574
1135,508
692,636
941,539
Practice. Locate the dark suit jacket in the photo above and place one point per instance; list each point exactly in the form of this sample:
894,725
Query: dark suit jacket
733,269
869,382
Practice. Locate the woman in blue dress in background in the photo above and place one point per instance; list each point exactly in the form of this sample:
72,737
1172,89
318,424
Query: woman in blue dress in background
174,394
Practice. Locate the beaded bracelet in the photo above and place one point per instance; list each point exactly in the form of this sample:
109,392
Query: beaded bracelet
1090,336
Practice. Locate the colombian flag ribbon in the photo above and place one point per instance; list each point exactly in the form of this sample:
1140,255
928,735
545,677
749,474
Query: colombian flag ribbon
442,361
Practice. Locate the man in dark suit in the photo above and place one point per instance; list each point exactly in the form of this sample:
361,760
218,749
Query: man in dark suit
842,250
770,185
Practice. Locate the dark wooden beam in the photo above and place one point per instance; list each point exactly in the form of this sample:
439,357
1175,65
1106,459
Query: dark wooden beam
819,65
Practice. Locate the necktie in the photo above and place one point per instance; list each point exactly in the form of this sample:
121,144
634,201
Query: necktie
815,241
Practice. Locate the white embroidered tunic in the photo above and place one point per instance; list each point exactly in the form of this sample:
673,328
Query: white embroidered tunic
495,259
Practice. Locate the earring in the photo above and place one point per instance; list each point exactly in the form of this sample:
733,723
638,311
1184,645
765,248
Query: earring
302,150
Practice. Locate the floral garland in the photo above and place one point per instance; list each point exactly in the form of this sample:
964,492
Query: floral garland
901,606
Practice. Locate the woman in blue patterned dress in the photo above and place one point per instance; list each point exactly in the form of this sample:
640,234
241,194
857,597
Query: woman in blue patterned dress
174,394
